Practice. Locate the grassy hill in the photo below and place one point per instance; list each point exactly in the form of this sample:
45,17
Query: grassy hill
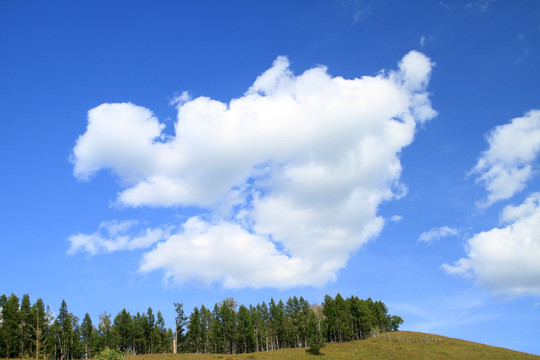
395,345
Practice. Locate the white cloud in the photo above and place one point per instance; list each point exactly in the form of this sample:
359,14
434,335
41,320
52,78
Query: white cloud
295,170
114,236
437,233
507,165
506,260
208,252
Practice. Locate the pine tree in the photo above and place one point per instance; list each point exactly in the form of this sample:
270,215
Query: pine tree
87,333
161,335
180,322
315,335
25,330
217,332
228,319
245,331
39,325
10,327
194,333
206,328
139,340
122,330
104,337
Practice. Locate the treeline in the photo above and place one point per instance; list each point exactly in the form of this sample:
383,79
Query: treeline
31,331
232,329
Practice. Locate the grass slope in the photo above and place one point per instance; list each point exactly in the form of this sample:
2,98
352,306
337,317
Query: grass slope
395,345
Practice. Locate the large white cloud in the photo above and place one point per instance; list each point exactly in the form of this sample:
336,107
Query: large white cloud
507,165
291,174
506,260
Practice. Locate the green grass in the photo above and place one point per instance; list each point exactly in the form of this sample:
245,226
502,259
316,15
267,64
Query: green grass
388,346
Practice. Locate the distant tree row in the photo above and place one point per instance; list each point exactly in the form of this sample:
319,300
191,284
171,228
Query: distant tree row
233,329
31,331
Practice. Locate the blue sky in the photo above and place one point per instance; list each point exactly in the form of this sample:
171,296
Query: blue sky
160,152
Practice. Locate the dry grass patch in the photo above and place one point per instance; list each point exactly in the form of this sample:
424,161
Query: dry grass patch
387,346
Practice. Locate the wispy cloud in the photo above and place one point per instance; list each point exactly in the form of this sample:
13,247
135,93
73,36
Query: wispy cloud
437,233
360,8
114,236
480,5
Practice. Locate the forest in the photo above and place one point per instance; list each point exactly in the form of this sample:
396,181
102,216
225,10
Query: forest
32,331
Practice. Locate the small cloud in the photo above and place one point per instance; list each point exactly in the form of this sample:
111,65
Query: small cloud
424,40
437,233
396,218
179,100
506,260
506,166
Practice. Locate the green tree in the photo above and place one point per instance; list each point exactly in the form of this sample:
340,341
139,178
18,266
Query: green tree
139,339
87,334
206,327
245,331
10,327
104,335
395,322
193,335
25,329
41,318
66,333
123,330
315,339
180,322
161,335
227,312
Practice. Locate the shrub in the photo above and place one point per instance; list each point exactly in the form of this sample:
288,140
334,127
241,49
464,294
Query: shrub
110,354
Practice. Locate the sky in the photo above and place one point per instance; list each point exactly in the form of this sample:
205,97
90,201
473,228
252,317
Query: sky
179,151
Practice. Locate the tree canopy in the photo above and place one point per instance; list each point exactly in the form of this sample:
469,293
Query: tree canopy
31,331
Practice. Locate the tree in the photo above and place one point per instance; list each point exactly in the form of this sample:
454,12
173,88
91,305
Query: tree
161,335
105,338
206,327
395,321
10,327
193,335
245,331
139,340
180,321
87,334
123,330
315,334
40,321
227,316
25,330
66,333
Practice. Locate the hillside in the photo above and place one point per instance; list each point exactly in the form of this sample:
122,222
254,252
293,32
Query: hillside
394,345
